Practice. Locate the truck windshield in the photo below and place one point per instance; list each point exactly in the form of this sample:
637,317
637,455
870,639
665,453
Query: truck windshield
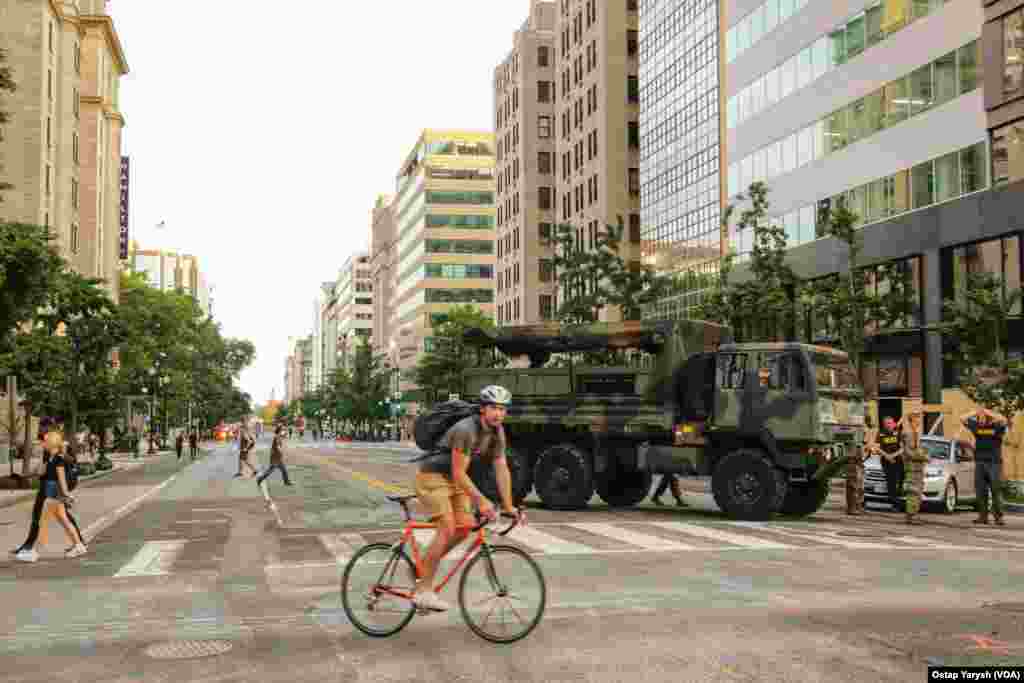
834,372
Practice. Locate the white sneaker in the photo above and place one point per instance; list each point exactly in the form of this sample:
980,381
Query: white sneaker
76,550
429,600
27,556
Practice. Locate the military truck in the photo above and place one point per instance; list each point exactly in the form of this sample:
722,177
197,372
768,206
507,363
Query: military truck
769,422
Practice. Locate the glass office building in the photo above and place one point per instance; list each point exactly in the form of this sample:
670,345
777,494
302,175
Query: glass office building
680,169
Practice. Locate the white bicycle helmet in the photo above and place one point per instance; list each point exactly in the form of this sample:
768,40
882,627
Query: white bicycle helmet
495,395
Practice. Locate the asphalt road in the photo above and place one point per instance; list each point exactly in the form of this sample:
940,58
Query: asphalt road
202,582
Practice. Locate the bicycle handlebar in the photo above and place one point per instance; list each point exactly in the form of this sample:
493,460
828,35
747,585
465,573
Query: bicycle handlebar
504,531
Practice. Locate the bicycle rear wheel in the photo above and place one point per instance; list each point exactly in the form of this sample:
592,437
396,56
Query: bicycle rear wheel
502,594
372,587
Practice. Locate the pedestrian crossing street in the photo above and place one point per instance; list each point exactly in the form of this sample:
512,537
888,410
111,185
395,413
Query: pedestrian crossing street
305,556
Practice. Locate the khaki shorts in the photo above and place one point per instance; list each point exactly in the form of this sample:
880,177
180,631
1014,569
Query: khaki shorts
442,498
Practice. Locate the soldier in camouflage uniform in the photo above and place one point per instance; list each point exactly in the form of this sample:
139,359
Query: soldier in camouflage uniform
855,482
914,463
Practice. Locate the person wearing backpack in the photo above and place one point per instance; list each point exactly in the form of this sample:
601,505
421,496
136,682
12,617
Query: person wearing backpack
445,489
245,444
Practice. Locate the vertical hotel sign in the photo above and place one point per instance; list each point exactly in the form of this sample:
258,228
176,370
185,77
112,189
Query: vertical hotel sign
125,172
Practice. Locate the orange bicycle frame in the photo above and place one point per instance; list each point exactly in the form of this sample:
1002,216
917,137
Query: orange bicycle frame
409,539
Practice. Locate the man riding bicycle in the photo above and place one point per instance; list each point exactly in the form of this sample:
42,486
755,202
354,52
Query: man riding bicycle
445,489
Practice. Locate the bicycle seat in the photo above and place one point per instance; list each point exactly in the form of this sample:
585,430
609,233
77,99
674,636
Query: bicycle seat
402,499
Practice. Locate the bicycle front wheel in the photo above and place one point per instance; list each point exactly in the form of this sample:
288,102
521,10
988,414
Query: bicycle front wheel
502,594
373,587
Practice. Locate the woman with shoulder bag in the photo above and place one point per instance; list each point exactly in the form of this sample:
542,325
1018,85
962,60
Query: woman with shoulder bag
58,496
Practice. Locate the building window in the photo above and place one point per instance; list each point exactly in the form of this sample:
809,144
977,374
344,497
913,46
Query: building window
546,307
634,228
78,58
1013,69
544,127
544,89
74,239
542,56
544,163
544,198
1008,154
634,134
75,149
47,180
631,42
74,193
634,181
633,90
999,257
546,270
544,231
49,84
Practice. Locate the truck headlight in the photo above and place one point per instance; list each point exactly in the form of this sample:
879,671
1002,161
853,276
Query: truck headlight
933,472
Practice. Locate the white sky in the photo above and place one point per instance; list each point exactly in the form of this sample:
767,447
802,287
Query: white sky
263,132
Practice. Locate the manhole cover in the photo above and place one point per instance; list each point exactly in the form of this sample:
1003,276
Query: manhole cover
188,649
860,534
1006,606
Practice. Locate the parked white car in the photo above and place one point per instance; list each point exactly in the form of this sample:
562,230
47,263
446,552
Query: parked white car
948,477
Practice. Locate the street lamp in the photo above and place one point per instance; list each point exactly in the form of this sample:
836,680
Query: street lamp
157,380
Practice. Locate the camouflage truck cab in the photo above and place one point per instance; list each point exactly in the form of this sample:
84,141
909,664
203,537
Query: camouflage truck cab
760,419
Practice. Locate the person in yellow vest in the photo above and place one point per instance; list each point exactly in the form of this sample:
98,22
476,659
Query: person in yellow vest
988,429
888,446
915,460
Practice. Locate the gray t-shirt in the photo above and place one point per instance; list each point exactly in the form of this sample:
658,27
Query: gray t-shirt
470,435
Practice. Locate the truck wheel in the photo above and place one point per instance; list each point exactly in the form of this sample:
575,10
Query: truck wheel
564,477
622,488
746,485
482,474
804,499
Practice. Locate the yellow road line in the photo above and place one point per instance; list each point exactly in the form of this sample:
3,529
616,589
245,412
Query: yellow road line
365,478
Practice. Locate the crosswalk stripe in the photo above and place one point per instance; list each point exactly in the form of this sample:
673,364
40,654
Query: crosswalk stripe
548,544
342,546
828,537
154,558
631,537
719,535
925,543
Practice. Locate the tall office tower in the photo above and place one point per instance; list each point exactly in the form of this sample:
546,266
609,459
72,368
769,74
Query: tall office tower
882,106
681,168
596,127
444,223
355,307
382,260
61,149
524,115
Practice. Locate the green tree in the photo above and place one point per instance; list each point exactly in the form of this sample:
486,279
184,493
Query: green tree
763,306
848,307
592,279
977,319
439,371
6,84
202,366
29,266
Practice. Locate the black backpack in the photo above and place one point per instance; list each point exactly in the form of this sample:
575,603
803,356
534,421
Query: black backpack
430,427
